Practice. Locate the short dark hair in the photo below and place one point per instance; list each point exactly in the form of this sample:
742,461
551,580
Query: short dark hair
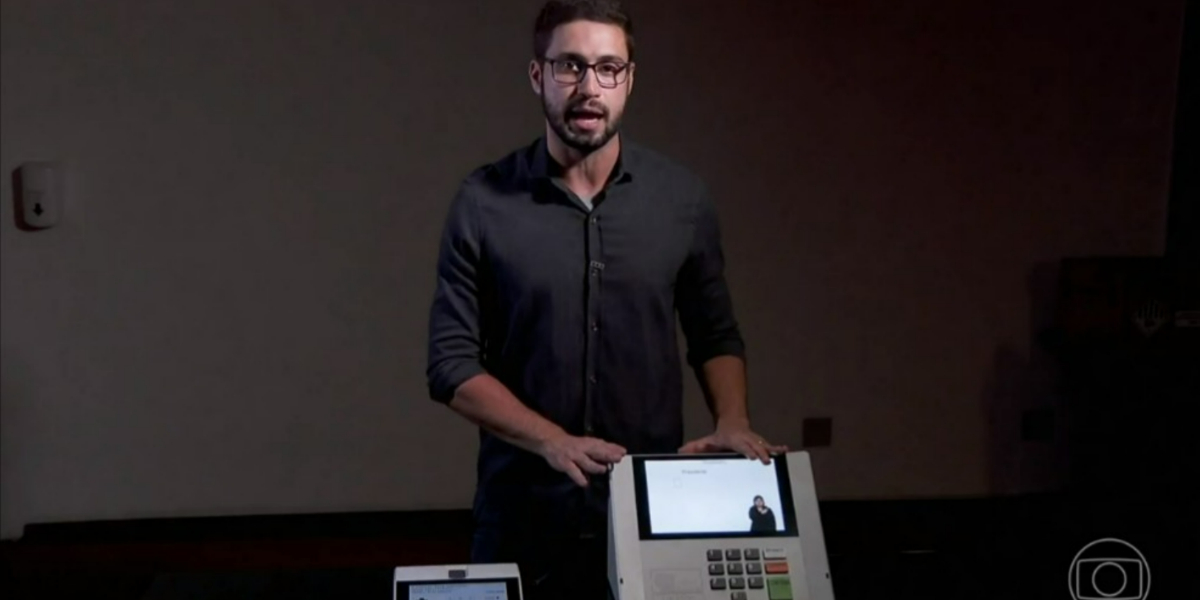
560,12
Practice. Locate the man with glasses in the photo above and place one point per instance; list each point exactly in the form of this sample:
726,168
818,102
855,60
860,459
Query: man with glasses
562,269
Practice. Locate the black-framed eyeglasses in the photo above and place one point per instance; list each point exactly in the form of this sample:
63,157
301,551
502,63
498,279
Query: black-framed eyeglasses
609,73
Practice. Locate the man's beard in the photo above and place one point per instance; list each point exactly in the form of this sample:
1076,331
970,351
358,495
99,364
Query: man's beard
585,142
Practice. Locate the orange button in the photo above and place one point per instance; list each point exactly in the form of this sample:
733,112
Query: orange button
775,568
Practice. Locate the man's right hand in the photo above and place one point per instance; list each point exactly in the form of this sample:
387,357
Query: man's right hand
576,456
485,401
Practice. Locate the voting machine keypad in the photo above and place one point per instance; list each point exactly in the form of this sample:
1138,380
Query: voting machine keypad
748,573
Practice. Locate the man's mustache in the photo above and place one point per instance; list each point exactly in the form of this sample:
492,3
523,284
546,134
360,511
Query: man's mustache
584,107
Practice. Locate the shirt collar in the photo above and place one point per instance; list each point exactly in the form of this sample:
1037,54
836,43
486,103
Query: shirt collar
542,167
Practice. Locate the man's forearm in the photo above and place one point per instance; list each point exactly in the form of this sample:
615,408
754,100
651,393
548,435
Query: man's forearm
485,401
723,380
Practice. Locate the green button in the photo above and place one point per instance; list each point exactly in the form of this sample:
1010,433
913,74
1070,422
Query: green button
779,588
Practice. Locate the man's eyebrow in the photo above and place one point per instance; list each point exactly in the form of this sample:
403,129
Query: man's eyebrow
580,58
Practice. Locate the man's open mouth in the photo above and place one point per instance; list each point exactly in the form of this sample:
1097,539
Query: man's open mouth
585,117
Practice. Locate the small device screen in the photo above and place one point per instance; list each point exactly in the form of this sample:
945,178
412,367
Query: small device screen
458,590
486,590
683,496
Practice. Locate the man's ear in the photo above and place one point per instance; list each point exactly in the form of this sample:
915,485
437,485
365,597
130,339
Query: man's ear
535,76
629,80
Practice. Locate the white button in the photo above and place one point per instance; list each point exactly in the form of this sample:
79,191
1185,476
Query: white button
773,554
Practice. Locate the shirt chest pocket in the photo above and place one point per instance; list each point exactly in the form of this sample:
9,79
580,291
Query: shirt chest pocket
645,257
533,260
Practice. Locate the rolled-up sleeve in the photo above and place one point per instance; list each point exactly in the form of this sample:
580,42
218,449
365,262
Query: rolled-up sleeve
702,294
455,345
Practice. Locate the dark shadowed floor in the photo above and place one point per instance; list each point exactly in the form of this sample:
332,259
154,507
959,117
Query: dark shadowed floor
1017,548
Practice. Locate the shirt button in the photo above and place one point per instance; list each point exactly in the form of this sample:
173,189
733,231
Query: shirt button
595,326
592,379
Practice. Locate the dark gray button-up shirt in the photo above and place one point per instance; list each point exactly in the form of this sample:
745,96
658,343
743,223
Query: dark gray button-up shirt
574,307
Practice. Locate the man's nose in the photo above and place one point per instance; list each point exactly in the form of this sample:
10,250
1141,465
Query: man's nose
588,85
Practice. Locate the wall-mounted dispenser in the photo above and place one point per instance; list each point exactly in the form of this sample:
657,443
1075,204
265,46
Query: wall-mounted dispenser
39,194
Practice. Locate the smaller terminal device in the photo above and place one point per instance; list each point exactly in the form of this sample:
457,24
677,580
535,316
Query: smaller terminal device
457,582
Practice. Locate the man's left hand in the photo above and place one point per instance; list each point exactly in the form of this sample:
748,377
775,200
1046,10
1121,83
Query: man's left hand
734,436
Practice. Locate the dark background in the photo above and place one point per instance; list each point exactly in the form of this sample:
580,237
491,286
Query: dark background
942,221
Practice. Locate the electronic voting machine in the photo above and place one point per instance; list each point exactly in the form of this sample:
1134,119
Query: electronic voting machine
716,527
